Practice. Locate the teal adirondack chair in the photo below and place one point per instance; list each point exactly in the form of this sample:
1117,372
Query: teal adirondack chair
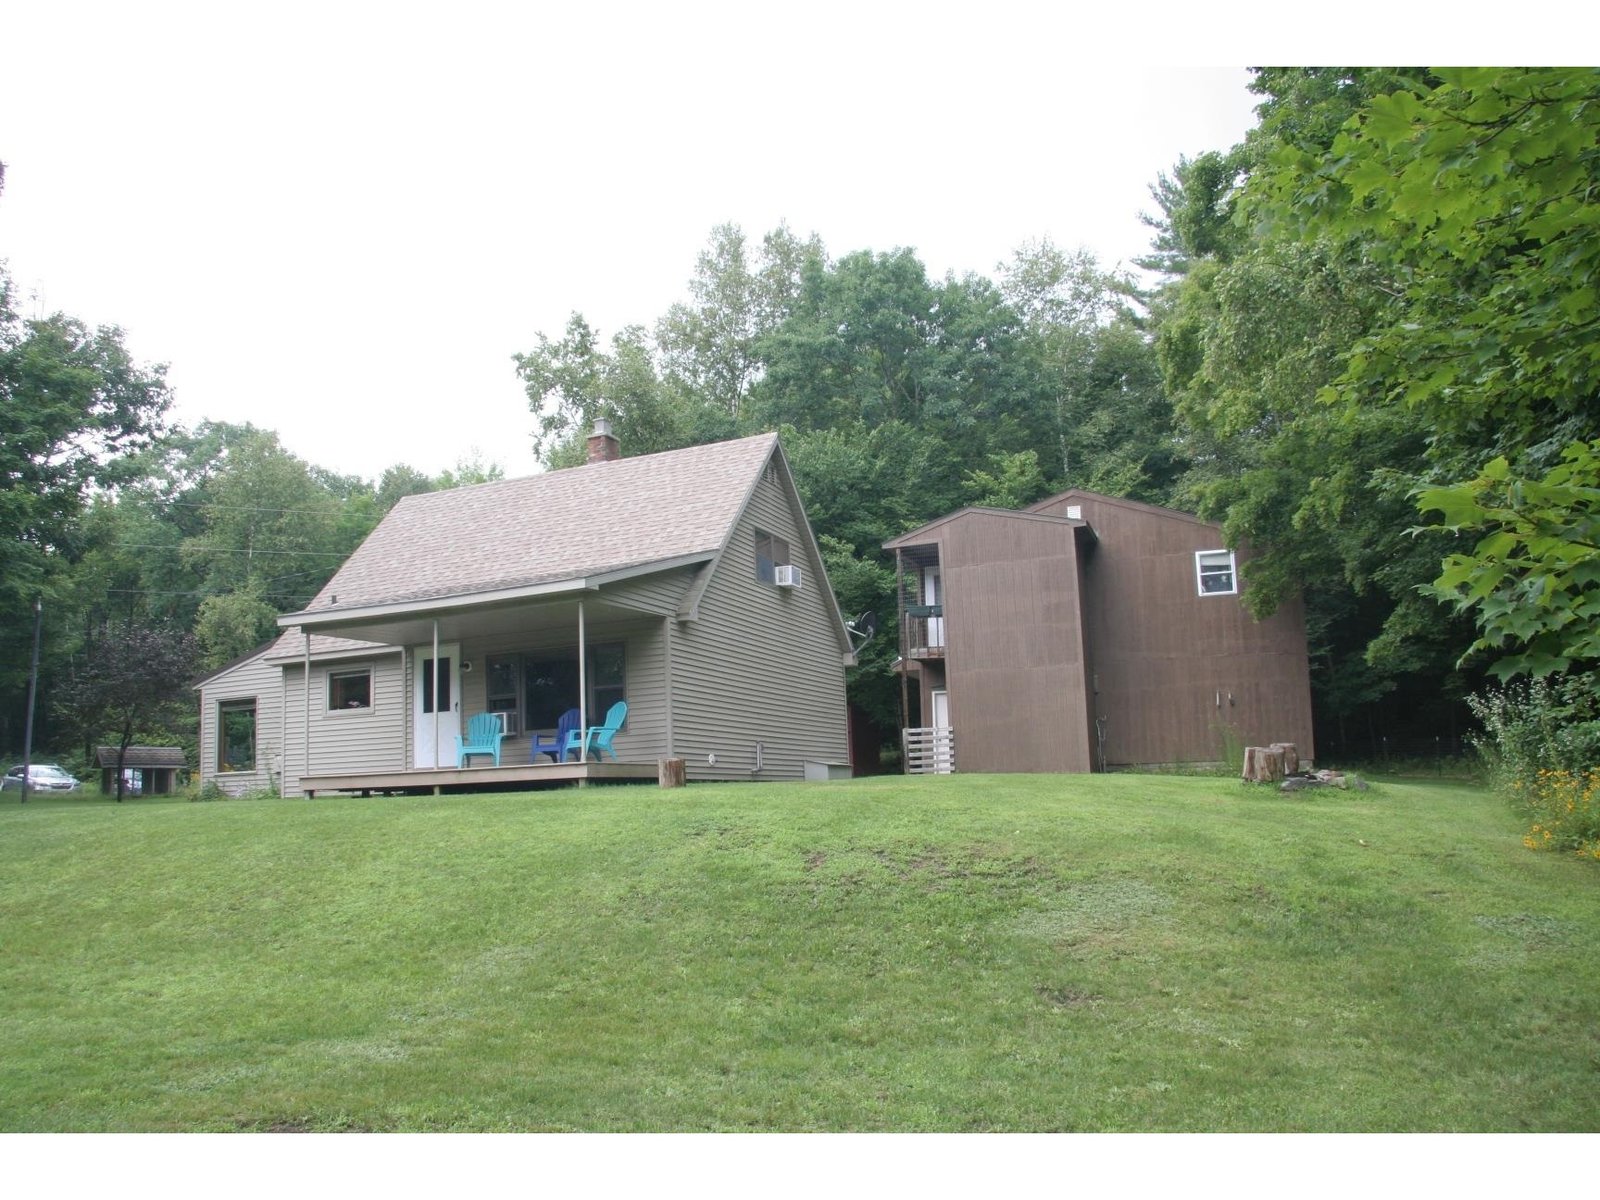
483,737
598,737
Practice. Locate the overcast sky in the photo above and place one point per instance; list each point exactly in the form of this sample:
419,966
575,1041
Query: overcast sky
340,221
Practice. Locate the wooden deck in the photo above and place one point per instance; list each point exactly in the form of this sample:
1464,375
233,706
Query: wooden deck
469,779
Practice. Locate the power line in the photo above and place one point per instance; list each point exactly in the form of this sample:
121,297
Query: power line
252,507
228,549
261,595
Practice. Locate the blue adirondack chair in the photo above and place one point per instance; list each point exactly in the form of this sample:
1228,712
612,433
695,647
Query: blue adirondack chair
483,737
555,746
598,737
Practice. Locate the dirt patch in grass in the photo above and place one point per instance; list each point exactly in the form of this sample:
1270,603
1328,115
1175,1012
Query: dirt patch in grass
1060,997
1095,909
1530,928
301,1125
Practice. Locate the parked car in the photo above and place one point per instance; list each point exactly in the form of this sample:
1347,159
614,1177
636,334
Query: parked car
43,777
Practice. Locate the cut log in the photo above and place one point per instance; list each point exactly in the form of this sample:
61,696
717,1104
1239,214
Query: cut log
1262,764
1291,757
670,772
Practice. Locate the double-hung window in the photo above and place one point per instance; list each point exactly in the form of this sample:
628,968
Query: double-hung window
771,553
502,689
1216,573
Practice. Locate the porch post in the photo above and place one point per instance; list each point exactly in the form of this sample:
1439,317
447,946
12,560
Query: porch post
436,693
306,770
583,690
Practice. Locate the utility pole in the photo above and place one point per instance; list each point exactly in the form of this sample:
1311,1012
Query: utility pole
33,688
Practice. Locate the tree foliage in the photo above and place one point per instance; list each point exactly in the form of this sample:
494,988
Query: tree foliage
1533,579
74,411
899,396
1472,194
129,682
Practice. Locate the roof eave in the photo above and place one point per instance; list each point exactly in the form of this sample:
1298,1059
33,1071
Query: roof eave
922,535
344,615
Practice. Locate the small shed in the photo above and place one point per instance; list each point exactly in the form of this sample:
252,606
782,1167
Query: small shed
154,769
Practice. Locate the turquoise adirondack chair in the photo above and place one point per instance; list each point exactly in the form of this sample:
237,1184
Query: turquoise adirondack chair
598,737
483,737
555,745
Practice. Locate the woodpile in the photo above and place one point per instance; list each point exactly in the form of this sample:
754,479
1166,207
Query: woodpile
1323,779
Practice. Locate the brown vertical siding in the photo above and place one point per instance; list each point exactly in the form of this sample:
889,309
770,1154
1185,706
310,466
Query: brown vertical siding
1178,675
1014,645
1072,642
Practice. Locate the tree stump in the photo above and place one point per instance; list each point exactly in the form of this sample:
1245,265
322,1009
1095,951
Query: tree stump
1262,764
670,771
1291,756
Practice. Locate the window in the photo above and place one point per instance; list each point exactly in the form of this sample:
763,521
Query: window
771,553
551,687
236,735
349,689
607,678
543,684
445,701
1215,572
502,689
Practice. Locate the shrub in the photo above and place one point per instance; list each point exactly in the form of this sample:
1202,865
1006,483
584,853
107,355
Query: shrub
1541,745
210,791
1567,806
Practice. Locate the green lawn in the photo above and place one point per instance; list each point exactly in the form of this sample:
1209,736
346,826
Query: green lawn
957,953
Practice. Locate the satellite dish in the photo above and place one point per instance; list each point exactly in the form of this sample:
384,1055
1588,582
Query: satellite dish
864,627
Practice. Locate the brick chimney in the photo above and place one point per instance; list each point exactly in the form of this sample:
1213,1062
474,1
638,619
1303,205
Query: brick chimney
603,444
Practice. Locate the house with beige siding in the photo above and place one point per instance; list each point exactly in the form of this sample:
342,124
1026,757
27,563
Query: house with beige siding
687,584
1085,633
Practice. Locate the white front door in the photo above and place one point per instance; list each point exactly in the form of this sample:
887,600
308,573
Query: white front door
939,701
434,742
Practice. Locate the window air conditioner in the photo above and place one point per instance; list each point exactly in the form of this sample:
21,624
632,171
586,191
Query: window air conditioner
786,576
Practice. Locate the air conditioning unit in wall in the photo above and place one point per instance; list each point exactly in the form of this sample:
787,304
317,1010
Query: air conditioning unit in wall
786,576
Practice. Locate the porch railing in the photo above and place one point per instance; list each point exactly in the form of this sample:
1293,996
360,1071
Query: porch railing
930,751
925,631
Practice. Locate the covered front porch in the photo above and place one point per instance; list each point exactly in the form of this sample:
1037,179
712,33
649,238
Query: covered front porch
525,661
478,779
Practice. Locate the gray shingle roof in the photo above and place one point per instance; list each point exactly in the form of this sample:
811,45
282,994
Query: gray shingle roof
142,756
549,528
291,645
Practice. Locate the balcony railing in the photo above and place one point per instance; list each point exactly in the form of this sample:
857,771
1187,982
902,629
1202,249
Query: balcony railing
925,631
930,751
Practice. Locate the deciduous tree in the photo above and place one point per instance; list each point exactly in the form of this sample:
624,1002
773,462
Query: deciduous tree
129,681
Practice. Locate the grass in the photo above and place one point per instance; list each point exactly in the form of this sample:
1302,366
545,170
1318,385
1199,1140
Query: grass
956,953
